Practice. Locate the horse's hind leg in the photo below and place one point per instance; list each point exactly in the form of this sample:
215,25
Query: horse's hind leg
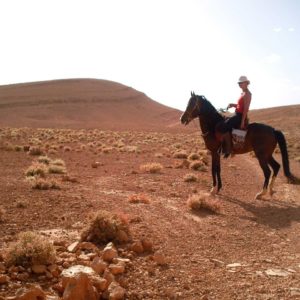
216,170
267,172
275,166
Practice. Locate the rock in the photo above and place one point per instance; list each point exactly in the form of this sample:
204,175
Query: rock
73,271
32,293
234,265
87,246
100,284
96,164
122,236
117,269
137,247
218,263
116,292
39,269
295,292
79,287
159,258
277,272
73,247
98,265
109,252
54,270
4,279
108,277
2,267
147,245
23,276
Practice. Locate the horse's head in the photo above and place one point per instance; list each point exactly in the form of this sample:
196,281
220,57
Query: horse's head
192,110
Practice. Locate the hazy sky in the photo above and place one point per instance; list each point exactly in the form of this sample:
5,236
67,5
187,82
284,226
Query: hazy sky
164,48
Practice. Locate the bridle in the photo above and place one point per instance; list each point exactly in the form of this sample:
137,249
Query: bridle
196,107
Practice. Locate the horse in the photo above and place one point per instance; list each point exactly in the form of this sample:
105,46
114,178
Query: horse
260,138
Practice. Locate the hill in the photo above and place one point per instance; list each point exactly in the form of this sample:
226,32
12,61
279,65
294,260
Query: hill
83,103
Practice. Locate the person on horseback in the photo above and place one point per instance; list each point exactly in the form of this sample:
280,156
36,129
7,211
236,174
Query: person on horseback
238,120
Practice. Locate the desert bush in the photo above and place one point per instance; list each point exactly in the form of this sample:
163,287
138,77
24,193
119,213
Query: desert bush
37,169
54,169
105,227
43,184
180,154
152,167
30,249
58,162
44,159
198,165
67,149
194,156
190,177
18,148
2,214
139,198
35,151
204,201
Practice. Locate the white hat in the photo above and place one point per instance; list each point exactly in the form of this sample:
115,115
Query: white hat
243,79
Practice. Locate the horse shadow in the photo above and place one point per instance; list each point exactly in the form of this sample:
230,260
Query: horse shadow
275,214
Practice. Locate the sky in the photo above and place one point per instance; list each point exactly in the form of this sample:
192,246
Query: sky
163,48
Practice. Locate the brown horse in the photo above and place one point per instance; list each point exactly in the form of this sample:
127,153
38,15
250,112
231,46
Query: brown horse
260,138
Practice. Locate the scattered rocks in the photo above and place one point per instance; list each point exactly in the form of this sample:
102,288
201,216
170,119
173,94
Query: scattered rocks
4,279
109,252
277,272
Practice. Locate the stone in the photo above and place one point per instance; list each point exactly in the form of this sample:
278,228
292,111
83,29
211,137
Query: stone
116,292
137,247
32,293
79,287
73,247
100,284
87,246
233,265
108,276
98,265
39,269
117,269
4,279
109,252
277,272
159,258
147,245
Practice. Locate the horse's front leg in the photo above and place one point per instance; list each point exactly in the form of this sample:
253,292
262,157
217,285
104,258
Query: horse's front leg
216,173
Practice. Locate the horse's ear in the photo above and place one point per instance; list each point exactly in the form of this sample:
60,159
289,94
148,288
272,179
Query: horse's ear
192,94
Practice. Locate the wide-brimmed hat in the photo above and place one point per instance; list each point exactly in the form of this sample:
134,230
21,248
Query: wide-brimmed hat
243,79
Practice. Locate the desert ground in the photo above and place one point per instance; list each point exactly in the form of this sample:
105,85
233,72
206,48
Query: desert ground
234,247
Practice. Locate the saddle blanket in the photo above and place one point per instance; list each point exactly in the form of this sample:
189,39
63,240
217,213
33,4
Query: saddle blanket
238,137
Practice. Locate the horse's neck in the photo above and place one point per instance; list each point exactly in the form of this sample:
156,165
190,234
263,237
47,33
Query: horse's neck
209,122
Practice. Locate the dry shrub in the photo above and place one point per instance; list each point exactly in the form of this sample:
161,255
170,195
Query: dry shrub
194,156
297,158
30,249
35,151
2,213
37,169
44,159
67,149
204,201
158,155
139,198
58,162
151,168
198,165
56,169
190,177
105,227
180,154
43,184
18,148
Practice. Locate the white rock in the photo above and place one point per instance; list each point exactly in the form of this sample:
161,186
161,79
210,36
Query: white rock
234,265
277,272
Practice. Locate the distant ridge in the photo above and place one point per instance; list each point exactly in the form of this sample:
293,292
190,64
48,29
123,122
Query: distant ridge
83,103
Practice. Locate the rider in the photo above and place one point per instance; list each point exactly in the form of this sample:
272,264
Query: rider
238,120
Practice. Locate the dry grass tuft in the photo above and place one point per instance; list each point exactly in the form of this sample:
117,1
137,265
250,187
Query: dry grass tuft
30,249
35,151
190,178
139,198
204,201
44,160
180,154
2,214
194,156
39,183
198,165
37,169
152,168
106,227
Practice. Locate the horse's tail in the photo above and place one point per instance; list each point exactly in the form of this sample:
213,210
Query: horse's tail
285,158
